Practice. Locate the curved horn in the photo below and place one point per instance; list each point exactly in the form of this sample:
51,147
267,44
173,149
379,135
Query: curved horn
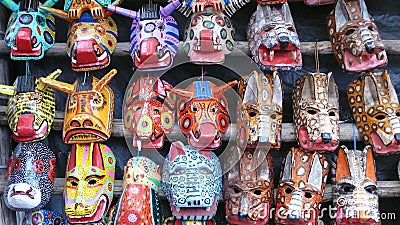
105,80
116,3
11,5
7,90
170,8
52,76
222,88
59,85
124,12
50,3
56,12
180,92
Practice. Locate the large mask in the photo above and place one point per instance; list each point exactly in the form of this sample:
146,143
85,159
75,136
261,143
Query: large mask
149,112
249,188
31,107
89,184
192,182
89,109
273,41
373,101
203,113
139,202
355,40
318,2
43,217
316,112
301,187
356,196
30,176
260,113
30,31
154,35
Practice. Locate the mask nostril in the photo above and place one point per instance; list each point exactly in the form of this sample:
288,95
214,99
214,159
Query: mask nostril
326,137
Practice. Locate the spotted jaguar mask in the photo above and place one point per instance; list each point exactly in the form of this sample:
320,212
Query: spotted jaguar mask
154,35
316,112
300,190
31,107
249,188
355,193
260,112
89,183
373,101
89,110
355,40
318,2
149,112
43,217
192,182
203,113
30,177
273,41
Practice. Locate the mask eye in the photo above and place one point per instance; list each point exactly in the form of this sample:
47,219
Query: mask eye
308,195
195,21
350,32
26,19
257,192
371,189
346,188
220,21
37,218
17,164
312,111
40,20
57,220
236,190
288,190
38,166
205,171
380,117
72,182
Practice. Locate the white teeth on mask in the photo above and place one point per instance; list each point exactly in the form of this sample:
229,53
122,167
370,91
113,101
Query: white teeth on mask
271,55
351,61
208,209
360,59
139,145
294,56
37,48
103,56
178,209
264,57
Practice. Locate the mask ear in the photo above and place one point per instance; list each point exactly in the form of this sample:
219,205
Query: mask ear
287,14
392,90
124,12
315,177
369,164
7,90
370,92
342,165
105,80
341,16
50,3
97,158
56,12
263,167
234,172
61,86
251,91
277,97
53,76
72,158
287,171
170,8
308,90
364,11
176,150
333,94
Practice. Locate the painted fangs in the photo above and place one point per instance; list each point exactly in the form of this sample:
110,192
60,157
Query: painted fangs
271,55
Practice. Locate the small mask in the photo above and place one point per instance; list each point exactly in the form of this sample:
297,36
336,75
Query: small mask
203,113
273,41
373,101
89,184
30,31
355,40
89,109
316,112
249,188
193,187
302,183
149,112
260,113
173,221
154,35
270,2
31,108
43,217
318,2
30,176
139,202
356,196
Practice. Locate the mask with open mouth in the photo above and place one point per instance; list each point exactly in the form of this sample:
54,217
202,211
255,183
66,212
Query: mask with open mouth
30,177
316,112
89,110
31,107
192,182
355,40
273,41
30,31
375,106
89,184
318,2
43,217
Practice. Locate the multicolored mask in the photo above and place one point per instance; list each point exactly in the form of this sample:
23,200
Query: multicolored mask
139,203
355,40
149,112
173,221
249,188
316,112
301,187
208,37
373,101
273,41
318,2
203,113
30,31
43,217
89,109
356,196
31,107
154,35
193,187
260,113
270,2
30,176
89,184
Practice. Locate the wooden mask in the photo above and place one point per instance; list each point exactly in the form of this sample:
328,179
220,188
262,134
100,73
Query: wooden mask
355,40
30,31
173,221
192,182
300,190
203,113
149,112
260,112
373,101
89,183
316,112
43,217
30,177
273,41
355,194
31,107
318,2
270,2
249,188
89,109
154,35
